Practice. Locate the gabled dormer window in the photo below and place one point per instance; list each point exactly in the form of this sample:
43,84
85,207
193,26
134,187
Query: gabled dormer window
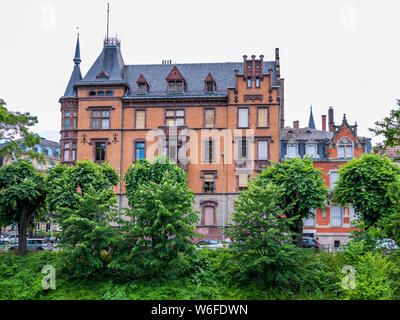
176,82
345,148
143,86
210,83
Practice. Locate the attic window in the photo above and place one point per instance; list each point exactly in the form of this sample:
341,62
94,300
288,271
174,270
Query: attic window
102,75
100,93
92,93
109,93
175,81
175,87
210,83
142,84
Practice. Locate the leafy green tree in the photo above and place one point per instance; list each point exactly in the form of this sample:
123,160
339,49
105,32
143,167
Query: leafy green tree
303,190
391,224
67,185
364,183
389,128
14,132
162,218
83,199
263,238
22,196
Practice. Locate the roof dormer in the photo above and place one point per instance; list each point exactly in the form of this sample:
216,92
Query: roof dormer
176,82
210,85
143,86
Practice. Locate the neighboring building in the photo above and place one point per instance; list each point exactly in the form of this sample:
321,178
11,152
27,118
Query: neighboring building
49,149
393,153
121,113
51,153
329,150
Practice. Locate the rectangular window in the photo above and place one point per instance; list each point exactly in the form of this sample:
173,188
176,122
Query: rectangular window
262,117
142,88
262,150
139,151
341,152
208,185
311,150
349,152
67,119
243,181
336,216
66,152
243,114
140,119
101,119
309,222
210,86
208,216
75,119
175,118
243,149
208,151
100,151
249,83
74,152
171,149
257,82
175,87
333,176
291,152
209,117
353,217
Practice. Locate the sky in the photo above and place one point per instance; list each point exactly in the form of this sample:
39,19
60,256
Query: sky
338,53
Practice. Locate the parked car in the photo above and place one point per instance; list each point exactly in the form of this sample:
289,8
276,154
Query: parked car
387,245
35,244
309,242
210,244
11,238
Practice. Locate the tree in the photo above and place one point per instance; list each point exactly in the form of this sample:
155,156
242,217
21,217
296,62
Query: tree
83,199
67,185
22,196
303,190
162,216
389,128
14,132
262,234
364,183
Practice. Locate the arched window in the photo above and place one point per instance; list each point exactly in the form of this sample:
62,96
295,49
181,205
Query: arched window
345,148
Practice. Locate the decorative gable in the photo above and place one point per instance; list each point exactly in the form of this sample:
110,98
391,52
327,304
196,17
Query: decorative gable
102,75
175,75
141,79
209,83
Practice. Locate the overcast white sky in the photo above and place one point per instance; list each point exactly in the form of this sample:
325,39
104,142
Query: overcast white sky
338,53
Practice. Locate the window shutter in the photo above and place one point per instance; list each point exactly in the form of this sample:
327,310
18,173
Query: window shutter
262,150
208,177
243,179
243,118
208,216
140,119
209,118
262,117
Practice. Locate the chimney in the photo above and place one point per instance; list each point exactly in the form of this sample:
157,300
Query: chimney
324,122
331,121
296,124
277,63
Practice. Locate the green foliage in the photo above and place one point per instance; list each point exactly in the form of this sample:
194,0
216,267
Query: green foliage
389,128
303,189
23,195
364,184
14,132
83,198
162,220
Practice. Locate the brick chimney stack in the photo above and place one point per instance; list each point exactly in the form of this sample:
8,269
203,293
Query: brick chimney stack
324,122
331,121
296,124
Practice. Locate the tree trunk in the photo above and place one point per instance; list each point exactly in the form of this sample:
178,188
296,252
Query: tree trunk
299,231
23,226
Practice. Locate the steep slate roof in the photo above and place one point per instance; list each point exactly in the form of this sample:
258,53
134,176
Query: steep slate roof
110,61
193,73
76,76
311,122
305,134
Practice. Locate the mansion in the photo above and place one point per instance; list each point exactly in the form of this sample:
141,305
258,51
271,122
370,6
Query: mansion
220,122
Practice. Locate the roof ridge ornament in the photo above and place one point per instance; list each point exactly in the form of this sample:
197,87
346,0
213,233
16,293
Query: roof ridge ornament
77,59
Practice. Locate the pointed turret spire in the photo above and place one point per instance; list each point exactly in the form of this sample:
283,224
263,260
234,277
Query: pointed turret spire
77,58
76,73
311,122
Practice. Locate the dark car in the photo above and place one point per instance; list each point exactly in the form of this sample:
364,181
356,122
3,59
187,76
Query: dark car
309,242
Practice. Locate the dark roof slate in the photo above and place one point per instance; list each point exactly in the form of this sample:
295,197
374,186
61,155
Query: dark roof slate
305,134
76,76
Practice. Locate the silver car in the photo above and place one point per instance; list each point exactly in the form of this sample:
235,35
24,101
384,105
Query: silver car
210,244
35,244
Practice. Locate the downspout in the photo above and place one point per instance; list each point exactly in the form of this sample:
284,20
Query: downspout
121,162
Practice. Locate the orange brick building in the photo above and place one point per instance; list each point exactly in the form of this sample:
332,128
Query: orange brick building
329,150
221,122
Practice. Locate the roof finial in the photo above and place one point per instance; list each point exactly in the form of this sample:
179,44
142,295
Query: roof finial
311,122
77,58
108,18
